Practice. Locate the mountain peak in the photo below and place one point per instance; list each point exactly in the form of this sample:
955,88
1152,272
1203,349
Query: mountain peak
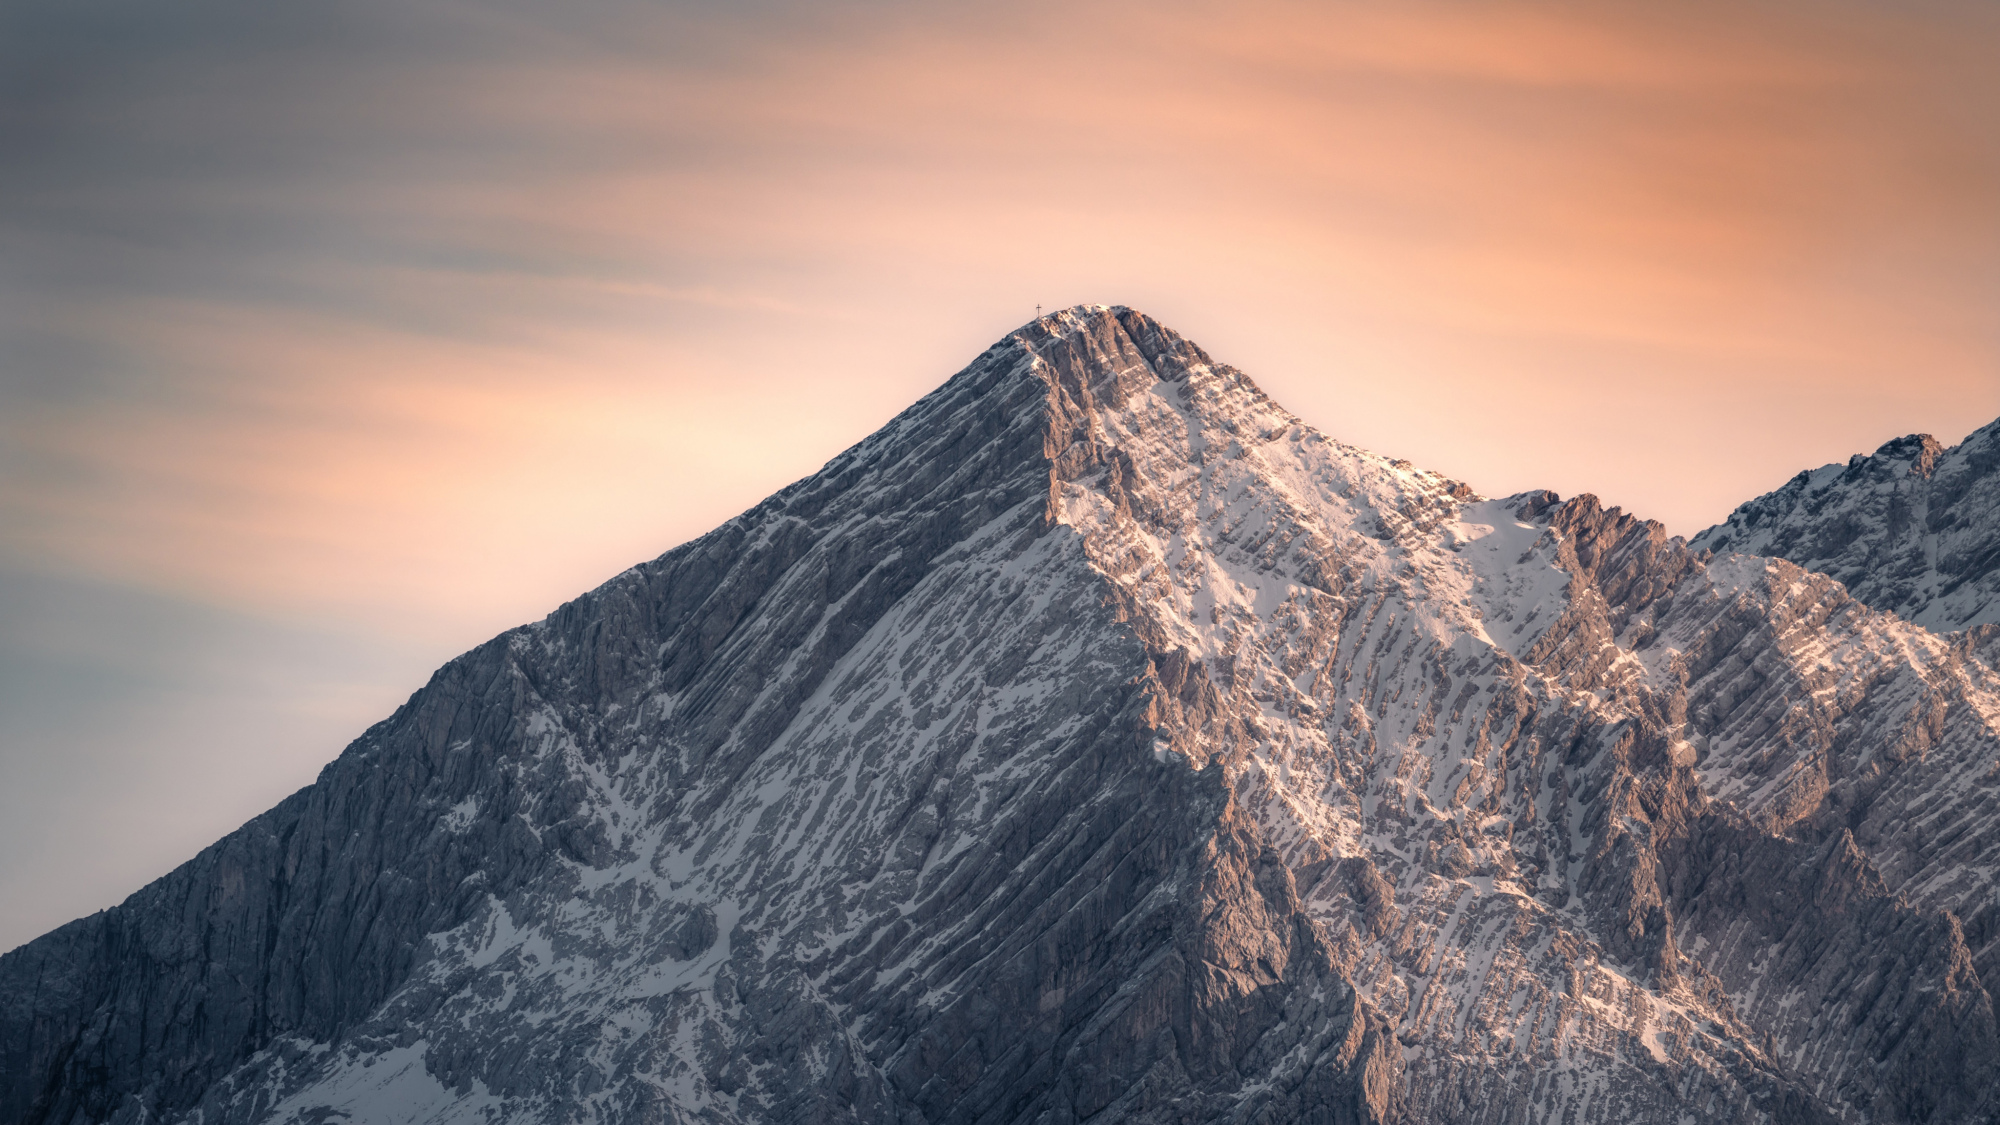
1920,451
1058,321
1913,529
1096,741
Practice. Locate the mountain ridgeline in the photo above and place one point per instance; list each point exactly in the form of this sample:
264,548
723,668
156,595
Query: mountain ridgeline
1098,742
1914,529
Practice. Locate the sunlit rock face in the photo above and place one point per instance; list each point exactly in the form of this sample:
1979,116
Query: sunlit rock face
1098,742
1914,529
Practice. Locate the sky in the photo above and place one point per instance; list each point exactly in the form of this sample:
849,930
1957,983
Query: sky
336,337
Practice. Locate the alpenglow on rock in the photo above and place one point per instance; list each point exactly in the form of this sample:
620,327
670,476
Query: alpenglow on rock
1914,529
1096,742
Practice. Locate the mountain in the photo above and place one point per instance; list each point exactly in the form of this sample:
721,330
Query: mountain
1098,742
1914,529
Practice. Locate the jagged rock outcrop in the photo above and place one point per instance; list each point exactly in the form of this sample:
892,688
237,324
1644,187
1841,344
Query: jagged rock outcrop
1097,742
1913,529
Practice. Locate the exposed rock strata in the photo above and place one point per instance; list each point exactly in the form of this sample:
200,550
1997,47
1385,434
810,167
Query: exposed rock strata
1098,742
1913,529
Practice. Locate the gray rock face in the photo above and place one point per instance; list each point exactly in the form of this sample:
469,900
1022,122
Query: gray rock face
1914,529
1096,741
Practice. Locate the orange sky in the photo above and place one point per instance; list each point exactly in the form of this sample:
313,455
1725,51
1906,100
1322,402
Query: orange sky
407,326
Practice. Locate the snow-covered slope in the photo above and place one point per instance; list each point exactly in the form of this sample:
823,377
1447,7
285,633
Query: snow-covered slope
1914,529
1097,741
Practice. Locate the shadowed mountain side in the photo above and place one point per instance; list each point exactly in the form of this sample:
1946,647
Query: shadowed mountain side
478,804
1913,529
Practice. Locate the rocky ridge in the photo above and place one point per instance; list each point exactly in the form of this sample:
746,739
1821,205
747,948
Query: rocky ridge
1913,529
1097,741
